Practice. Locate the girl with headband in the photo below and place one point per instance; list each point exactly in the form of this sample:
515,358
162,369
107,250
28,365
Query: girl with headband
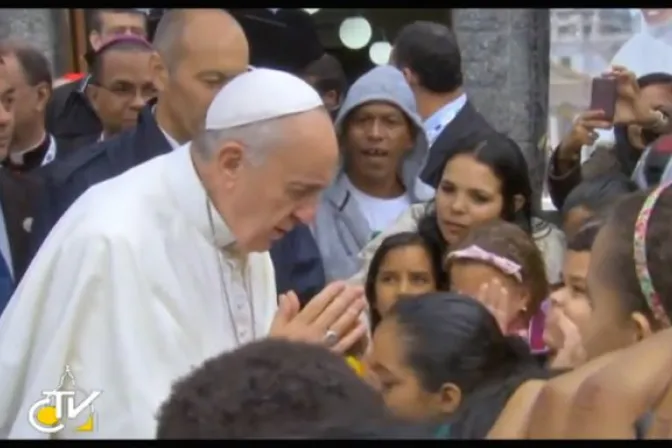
629,284
629,281
498,264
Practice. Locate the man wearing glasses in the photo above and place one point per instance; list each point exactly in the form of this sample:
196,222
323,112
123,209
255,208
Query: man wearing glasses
70,116
120,83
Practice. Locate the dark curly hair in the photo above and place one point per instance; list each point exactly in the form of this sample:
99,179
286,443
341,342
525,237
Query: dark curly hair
266,389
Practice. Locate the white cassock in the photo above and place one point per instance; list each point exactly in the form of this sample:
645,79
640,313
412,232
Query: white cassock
129,291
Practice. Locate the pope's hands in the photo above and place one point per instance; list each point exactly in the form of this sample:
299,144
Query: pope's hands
334,311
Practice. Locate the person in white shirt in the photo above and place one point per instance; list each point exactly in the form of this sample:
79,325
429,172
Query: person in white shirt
152,272
383,148
650,50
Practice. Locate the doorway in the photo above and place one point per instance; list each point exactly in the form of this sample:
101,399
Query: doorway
384,24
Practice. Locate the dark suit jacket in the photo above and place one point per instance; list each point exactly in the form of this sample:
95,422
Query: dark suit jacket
296,258
19,194
466,125
70,117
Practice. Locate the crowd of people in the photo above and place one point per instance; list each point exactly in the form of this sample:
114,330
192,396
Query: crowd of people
229,251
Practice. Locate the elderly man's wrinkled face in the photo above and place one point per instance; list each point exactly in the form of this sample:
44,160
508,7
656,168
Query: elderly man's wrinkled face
7,100
213,51
123,89
267,198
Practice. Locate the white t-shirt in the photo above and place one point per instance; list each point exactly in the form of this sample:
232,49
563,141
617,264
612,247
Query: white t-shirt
379,213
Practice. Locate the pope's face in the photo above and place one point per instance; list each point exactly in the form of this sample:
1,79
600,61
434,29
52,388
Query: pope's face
266,200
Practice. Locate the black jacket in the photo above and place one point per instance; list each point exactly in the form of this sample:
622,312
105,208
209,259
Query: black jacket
70,117
467,122
296,258
19,194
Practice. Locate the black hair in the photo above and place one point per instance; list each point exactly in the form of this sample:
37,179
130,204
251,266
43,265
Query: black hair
618,266
396,241
95,20
451,338
266,389
329,75
430,50
96,60
655,78
505,158
583,239
598,193
33,62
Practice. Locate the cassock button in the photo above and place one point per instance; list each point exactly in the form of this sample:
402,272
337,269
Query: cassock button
28,224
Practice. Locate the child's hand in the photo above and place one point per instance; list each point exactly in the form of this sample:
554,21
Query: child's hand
496,298
572,352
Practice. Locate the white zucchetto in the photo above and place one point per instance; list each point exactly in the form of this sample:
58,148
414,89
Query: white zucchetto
258,95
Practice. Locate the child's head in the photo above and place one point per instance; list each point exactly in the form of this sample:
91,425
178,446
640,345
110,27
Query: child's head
592,196
443,355
405,263
629,281
572,297
503,251
267,389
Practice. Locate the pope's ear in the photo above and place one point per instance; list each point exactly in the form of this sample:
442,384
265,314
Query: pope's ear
229,159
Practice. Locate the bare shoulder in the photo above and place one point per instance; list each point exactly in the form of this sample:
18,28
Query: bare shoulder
513,420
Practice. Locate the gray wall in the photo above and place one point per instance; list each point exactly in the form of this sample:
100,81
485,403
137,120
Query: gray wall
44,28
505,56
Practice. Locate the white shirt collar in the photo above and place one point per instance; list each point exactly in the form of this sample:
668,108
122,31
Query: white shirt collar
191,197
171,141
18,156
438,121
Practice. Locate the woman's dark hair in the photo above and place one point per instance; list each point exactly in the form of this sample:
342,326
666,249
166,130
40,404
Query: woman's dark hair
583,239
451,338
598,193
618,266
506,160
396,241
509,241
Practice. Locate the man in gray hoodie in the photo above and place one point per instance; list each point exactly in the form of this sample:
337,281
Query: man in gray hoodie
383,148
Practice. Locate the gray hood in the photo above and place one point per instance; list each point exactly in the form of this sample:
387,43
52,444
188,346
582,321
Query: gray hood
386,83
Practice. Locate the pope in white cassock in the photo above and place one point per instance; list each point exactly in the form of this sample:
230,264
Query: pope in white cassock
150,273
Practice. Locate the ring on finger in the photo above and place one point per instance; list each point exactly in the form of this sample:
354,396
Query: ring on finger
330,338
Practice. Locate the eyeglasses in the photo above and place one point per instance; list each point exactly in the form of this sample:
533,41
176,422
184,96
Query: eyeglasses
128,92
